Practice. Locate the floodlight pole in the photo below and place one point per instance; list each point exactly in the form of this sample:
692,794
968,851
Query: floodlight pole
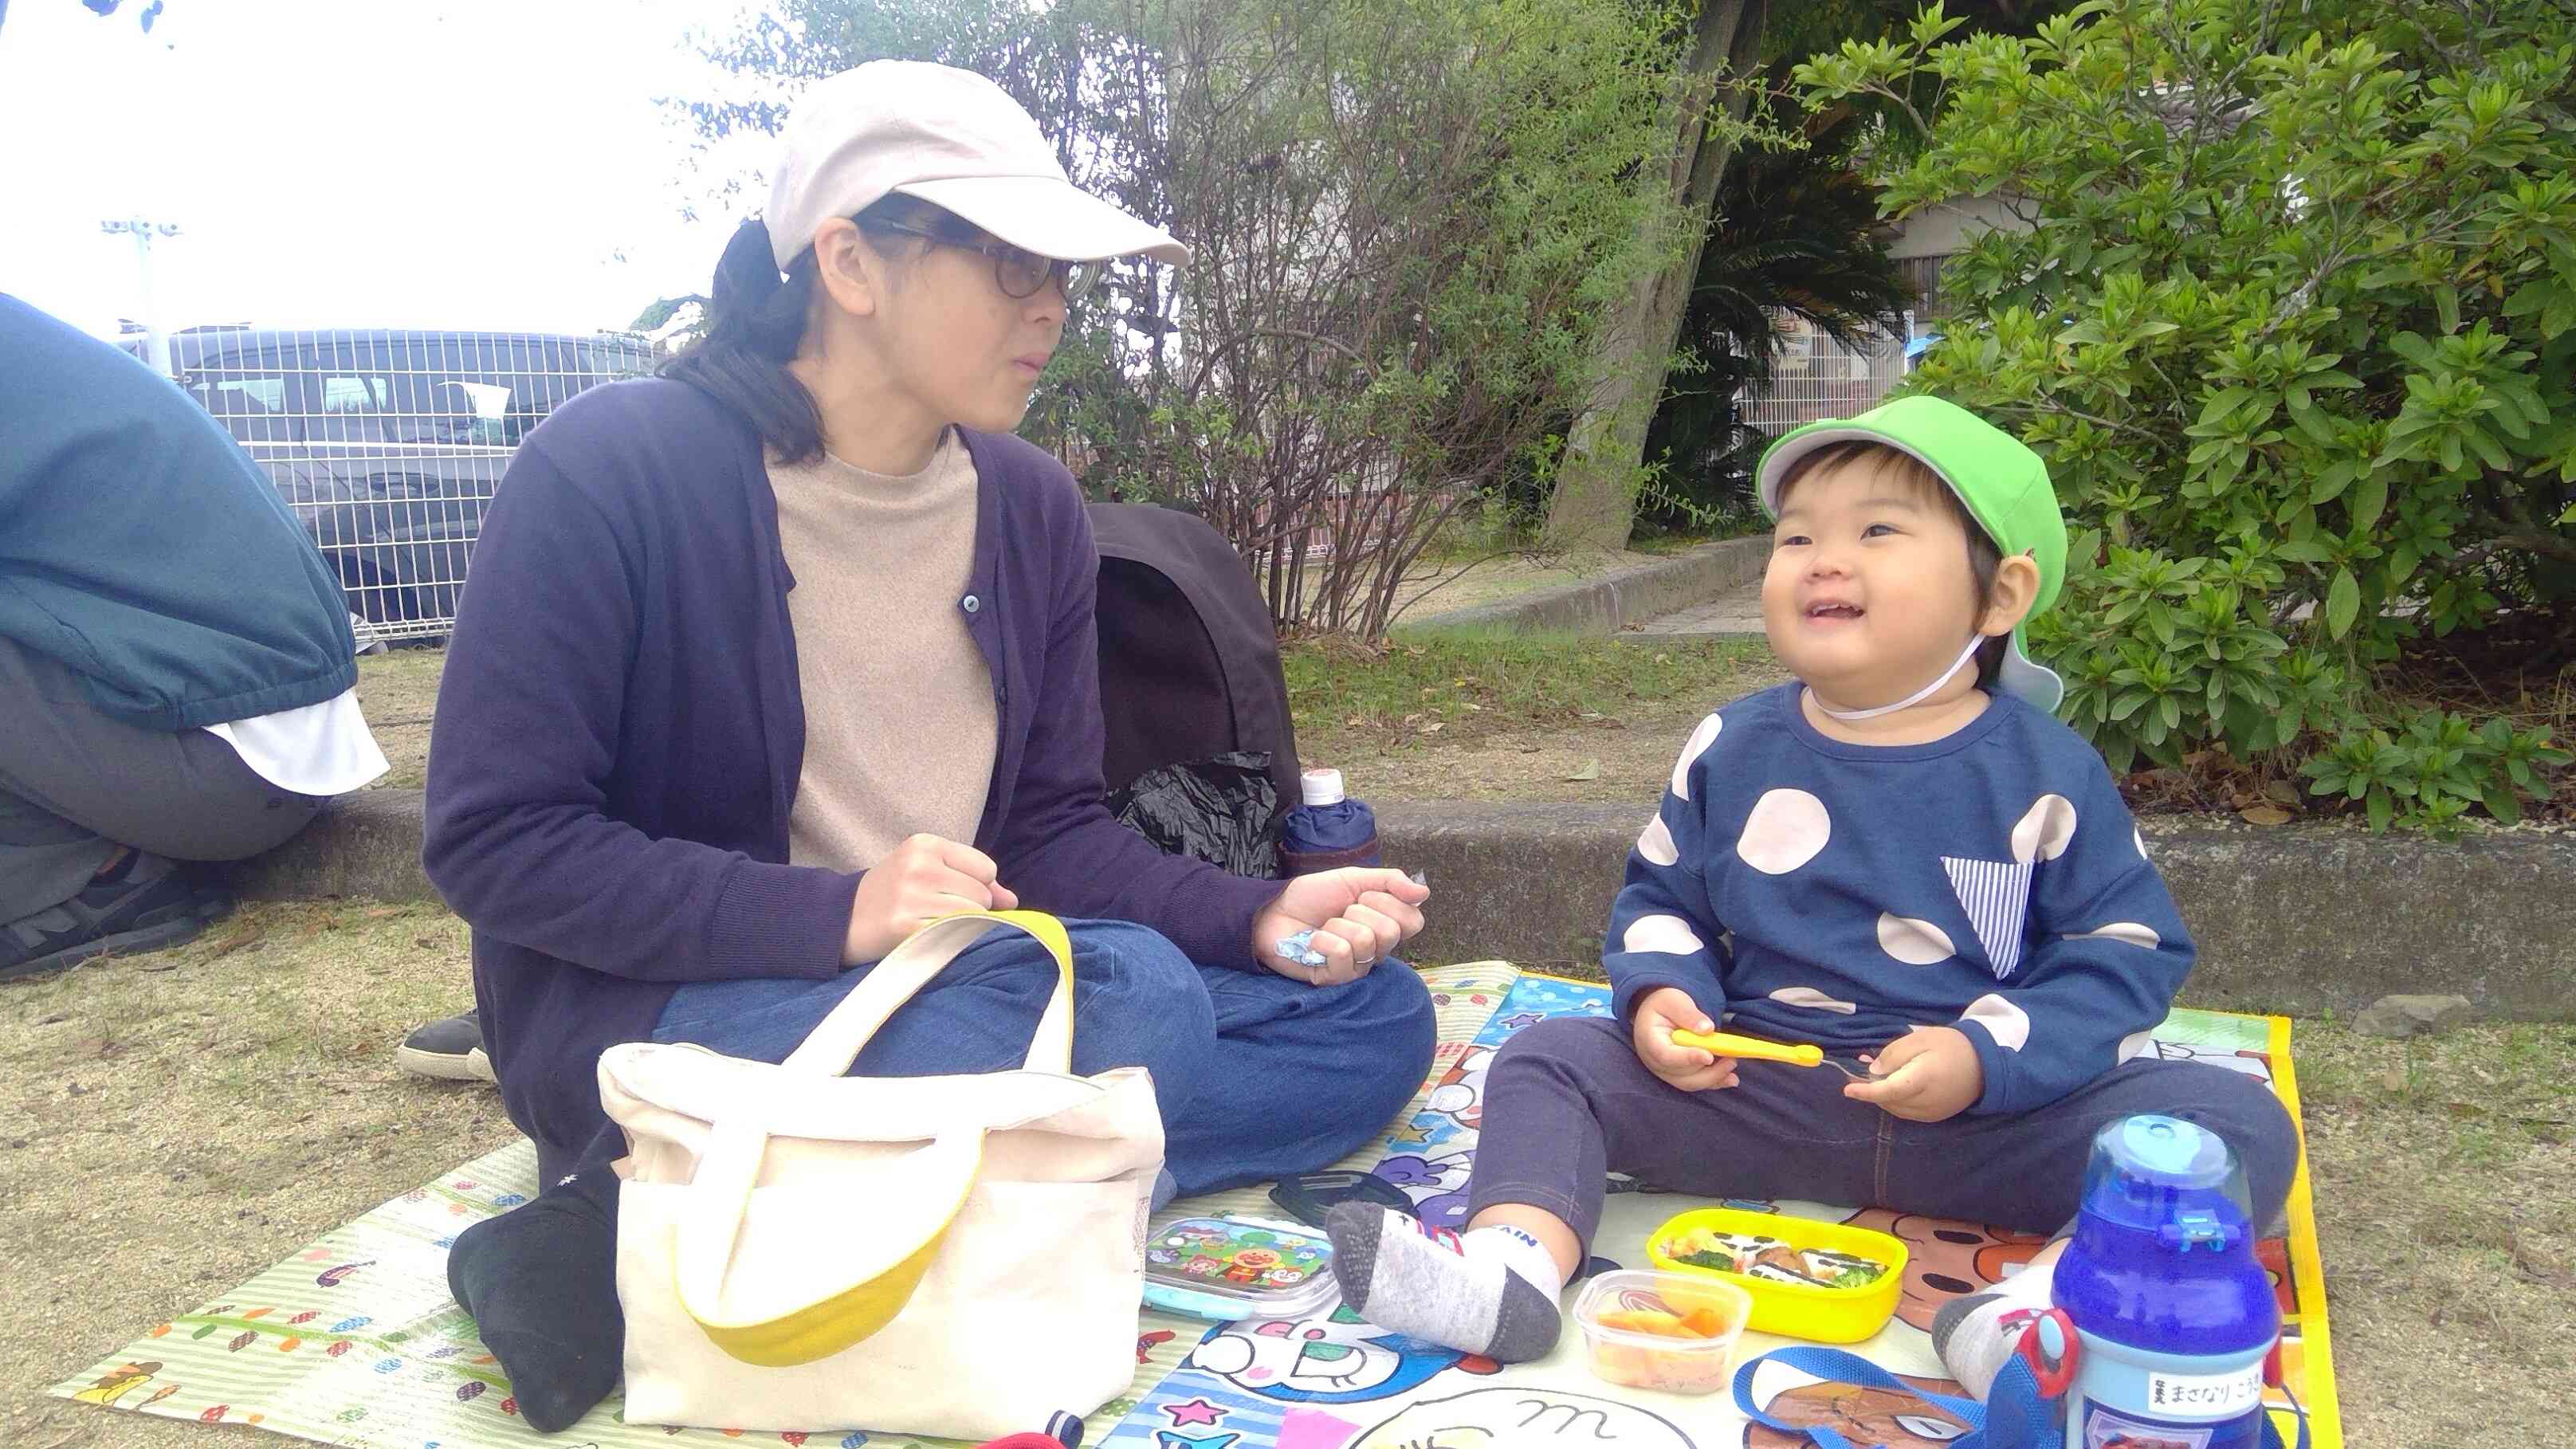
156,342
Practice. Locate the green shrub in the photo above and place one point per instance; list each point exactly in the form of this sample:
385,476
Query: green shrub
2292,324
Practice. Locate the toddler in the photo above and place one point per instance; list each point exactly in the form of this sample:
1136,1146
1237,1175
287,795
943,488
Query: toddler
1902,856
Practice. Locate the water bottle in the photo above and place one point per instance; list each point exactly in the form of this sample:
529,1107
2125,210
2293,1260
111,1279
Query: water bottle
2174,1319
1329,830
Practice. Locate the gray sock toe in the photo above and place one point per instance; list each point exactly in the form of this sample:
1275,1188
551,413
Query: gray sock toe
1947,1318
1354,1229
1528,1324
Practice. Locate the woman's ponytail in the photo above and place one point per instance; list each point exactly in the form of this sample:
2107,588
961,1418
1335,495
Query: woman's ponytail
755,322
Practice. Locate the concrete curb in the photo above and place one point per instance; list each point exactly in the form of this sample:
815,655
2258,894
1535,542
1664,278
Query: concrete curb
362,844
2297,920
2300,921
1614,601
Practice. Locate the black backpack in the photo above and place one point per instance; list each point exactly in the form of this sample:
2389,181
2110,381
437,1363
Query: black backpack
1201,754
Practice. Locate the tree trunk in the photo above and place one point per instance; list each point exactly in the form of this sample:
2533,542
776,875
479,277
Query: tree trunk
1595,504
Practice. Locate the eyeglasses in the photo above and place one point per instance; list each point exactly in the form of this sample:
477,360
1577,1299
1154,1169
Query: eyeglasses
1018,272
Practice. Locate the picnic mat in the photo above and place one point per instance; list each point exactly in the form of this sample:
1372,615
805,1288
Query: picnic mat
355,1341
1338,1383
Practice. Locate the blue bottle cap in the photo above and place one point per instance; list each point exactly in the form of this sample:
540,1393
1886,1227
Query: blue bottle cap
2170,1178
2163,1257
2171,1150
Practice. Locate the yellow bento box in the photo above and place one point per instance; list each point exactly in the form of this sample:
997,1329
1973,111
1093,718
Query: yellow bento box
1797,1310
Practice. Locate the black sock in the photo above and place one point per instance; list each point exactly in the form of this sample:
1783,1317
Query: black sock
541,1283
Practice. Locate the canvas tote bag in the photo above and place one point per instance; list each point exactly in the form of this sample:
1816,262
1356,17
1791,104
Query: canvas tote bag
960,1256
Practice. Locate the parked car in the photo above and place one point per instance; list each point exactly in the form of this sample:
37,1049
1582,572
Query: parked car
390,444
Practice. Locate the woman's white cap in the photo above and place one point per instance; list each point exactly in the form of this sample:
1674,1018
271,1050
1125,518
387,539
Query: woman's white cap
953,139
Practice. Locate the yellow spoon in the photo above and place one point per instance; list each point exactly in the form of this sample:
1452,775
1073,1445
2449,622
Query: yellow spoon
1728,1044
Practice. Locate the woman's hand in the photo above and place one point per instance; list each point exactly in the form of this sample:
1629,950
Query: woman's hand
922,879
1358,914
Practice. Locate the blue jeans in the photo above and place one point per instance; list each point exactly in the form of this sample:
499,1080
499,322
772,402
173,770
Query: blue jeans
1258,1076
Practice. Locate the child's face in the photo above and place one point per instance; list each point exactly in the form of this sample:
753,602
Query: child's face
1869,592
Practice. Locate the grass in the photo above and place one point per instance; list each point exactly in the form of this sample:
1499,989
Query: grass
2441,1169
398,690
1466,685
171,1124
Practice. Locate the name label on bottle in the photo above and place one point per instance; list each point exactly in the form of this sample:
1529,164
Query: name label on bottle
2206,1395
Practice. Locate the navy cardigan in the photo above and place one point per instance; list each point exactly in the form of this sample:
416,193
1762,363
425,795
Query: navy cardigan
620,731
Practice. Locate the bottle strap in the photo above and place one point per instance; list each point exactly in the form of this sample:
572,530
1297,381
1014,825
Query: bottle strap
2014,1416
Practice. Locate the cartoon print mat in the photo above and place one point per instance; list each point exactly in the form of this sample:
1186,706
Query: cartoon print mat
1335,1382
355,1340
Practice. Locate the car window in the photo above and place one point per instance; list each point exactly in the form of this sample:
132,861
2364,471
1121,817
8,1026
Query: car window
473,390
352,410
354,394
431,407
252,409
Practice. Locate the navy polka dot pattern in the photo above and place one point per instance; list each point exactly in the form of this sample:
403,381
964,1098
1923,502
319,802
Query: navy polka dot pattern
1804,889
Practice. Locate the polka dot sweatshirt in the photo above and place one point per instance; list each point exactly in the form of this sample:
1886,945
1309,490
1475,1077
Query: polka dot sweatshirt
1803,889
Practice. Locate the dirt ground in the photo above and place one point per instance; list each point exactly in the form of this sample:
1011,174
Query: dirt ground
170,1124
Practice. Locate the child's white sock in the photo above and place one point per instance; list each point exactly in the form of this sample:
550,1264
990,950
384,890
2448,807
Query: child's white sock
1490,1291
1975,1335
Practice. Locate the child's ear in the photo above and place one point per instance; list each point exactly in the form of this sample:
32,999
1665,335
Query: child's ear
2016,587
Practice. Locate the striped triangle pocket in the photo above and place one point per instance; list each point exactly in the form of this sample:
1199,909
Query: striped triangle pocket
1996,896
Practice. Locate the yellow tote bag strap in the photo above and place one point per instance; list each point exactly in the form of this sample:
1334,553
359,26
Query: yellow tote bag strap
930,1183
837,1040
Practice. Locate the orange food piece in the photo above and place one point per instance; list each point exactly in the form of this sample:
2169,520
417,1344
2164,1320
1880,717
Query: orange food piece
1641,1320
1706,1322
1698,1323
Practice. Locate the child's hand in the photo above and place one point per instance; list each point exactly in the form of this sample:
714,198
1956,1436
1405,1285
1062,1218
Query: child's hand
1688,1069
1932,1075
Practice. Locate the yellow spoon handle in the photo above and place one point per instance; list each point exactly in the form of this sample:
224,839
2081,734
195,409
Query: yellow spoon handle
1728,1044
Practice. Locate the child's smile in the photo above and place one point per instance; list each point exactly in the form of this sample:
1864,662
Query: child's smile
1826,612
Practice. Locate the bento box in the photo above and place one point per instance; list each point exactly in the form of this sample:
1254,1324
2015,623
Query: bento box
1827,1282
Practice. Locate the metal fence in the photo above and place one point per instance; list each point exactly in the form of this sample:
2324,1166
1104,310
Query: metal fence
389,445
1817,377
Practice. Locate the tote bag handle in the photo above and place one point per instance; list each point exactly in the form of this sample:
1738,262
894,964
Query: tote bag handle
932,1180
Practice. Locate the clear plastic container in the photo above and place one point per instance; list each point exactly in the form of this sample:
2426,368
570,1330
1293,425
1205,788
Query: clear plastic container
1226,1269
1616,1308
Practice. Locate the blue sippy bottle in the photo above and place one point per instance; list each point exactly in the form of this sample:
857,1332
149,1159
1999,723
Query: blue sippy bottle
2174,1318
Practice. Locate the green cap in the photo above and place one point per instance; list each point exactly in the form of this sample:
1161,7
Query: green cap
2003,483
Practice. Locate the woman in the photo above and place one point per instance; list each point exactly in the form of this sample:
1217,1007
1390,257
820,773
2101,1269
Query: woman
769,660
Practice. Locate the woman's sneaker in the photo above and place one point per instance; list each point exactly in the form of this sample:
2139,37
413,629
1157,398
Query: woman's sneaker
450,1049
143,905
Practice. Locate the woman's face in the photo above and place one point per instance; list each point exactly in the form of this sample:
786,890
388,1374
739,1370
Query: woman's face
961,348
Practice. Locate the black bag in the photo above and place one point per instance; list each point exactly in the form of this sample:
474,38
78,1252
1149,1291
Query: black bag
1200,753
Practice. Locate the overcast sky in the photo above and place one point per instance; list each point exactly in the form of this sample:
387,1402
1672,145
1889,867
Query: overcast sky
451,163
